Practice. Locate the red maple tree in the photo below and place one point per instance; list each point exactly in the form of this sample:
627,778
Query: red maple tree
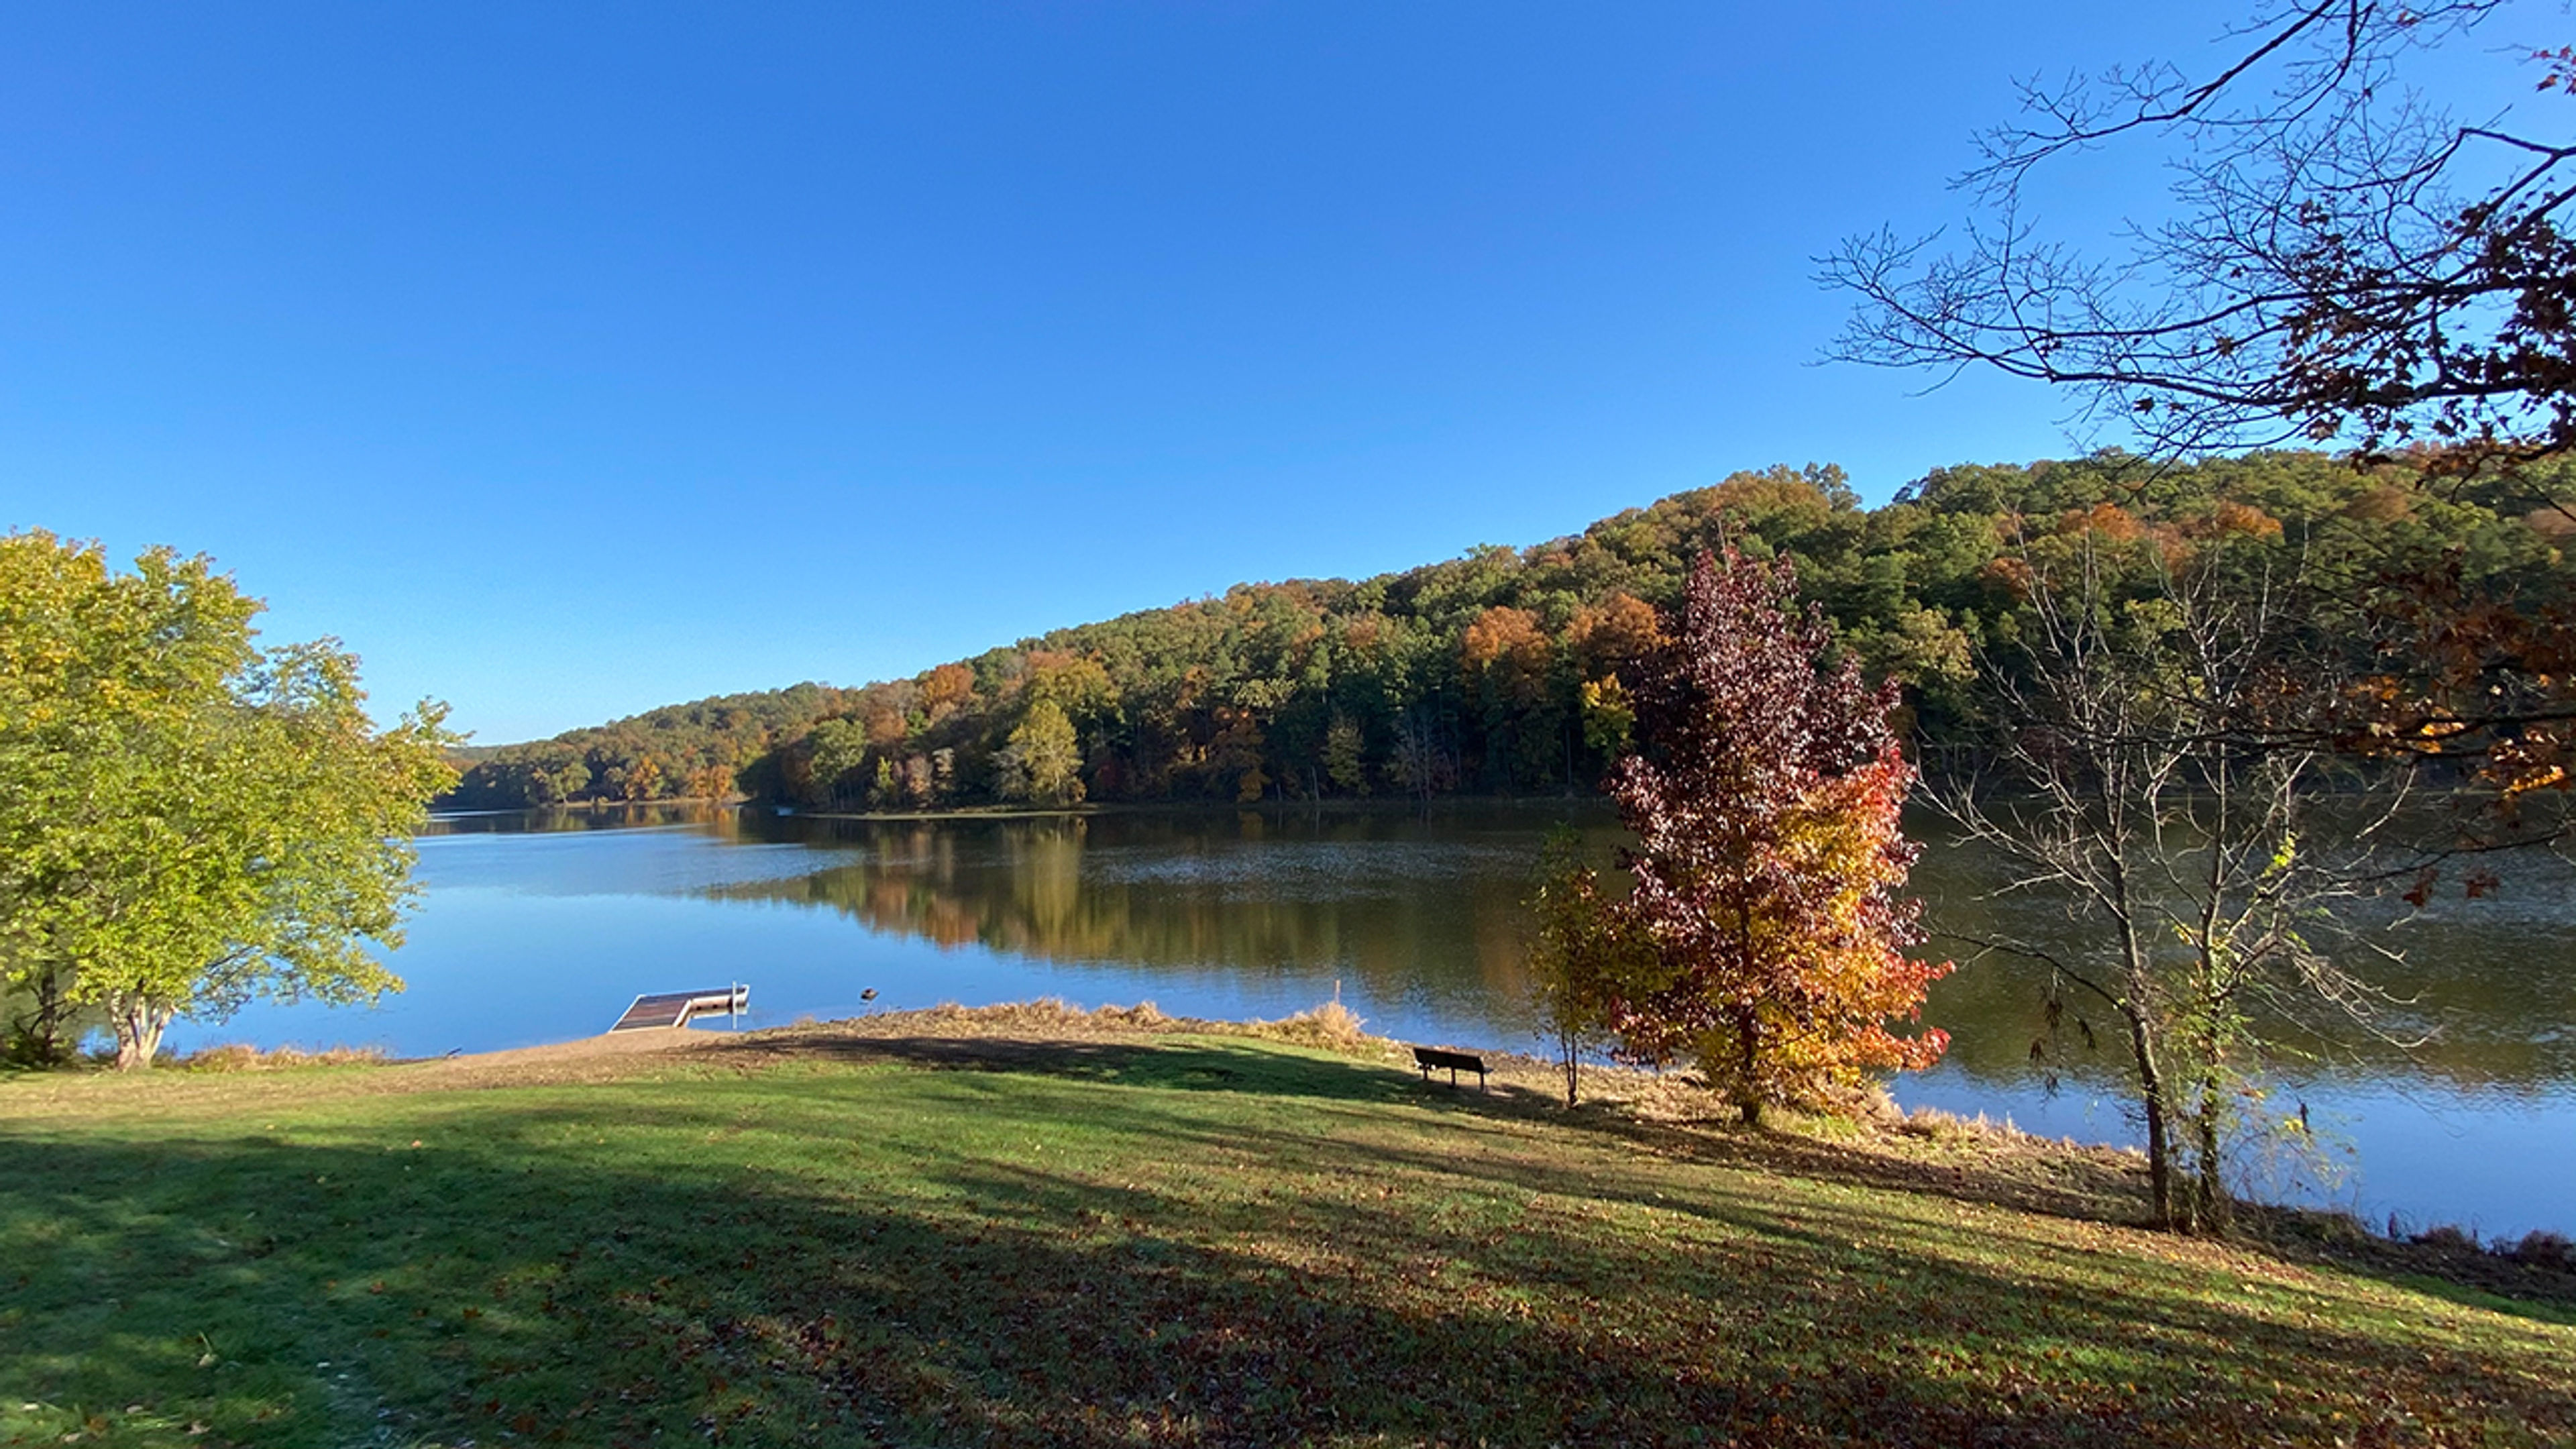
1765,794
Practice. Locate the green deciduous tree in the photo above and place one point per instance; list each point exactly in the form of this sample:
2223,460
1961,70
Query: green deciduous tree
1583,961
838,749
188,821
1042,760
1346,755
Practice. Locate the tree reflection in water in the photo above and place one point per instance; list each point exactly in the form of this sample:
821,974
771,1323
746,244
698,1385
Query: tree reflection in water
1386,899
1402,903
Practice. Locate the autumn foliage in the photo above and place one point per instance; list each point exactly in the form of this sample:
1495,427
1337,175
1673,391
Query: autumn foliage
1770,869
1510,672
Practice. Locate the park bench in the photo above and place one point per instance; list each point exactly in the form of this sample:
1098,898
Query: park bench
1429,1058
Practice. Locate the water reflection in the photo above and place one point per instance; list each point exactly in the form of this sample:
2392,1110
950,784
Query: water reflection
541,926
1385,900
2482,992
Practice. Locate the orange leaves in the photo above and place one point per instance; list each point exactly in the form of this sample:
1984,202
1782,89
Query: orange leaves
2108,521
1503,634
1613,634
885,726
2243,519
1509,647
947,687
2009,574
2108,526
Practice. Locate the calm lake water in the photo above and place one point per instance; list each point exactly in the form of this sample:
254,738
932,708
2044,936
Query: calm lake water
539,927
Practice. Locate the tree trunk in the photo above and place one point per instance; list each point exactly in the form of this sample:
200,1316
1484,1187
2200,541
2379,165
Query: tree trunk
37,1039
2151,1091
139,1024
2142,1040
1748,1090
2209,1190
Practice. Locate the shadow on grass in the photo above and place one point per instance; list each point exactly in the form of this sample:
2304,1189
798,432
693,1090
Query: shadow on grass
2022,1182
772,1266
1271,1071
1195,1064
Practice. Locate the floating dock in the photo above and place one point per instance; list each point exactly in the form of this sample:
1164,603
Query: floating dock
679,1008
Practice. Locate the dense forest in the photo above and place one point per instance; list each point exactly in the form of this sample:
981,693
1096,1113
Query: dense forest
1500,672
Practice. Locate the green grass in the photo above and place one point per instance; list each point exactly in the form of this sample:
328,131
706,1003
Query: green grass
1178,1240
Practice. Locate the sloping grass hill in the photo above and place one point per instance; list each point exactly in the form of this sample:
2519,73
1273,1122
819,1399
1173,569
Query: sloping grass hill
912,1234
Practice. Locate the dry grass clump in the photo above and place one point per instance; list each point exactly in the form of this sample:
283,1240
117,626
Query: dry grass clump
1936,1125
243,1057
1329,1025
1045,1016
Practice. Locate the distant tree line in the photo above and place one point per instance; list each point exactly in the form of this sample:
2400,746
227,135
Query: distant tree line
1507,671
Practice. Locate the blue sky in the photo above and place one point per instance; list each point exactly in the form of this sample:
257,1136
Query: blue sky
566,361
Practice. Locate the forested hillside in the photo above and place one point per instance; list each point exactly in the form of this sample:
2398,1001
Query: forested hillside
1499,672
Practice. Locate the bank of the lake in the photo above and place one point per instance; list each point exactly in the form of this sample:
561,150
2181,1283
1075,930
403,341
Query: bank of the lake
1015,1228
541,927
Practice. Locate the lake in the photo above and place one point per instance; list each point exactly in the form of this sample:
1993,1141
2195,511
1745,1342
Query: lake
538,927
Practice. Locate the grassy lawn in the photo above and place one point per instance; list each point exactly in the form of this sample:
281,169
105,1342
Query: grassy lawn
1160,1239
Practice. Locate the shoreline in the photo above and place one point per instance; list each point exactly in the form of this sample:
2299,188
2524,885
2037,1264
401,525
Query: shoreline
1925,1148
1366,805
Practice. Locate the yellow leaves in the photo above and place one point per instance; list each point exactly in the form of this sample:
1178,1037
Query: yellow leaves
2547,778
1608,717
1080,683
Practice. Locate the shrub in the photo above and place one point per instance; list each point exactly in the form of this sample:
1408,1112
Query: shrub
2541,1248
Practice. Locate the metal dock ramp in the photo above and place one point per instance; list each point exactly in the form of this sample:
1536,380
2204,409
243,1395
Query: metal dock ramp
679,1008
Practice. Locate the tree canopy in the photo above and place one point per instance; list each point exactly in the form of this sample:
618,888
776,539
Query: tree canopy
1506,671
187,820
2338,258
1765,793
